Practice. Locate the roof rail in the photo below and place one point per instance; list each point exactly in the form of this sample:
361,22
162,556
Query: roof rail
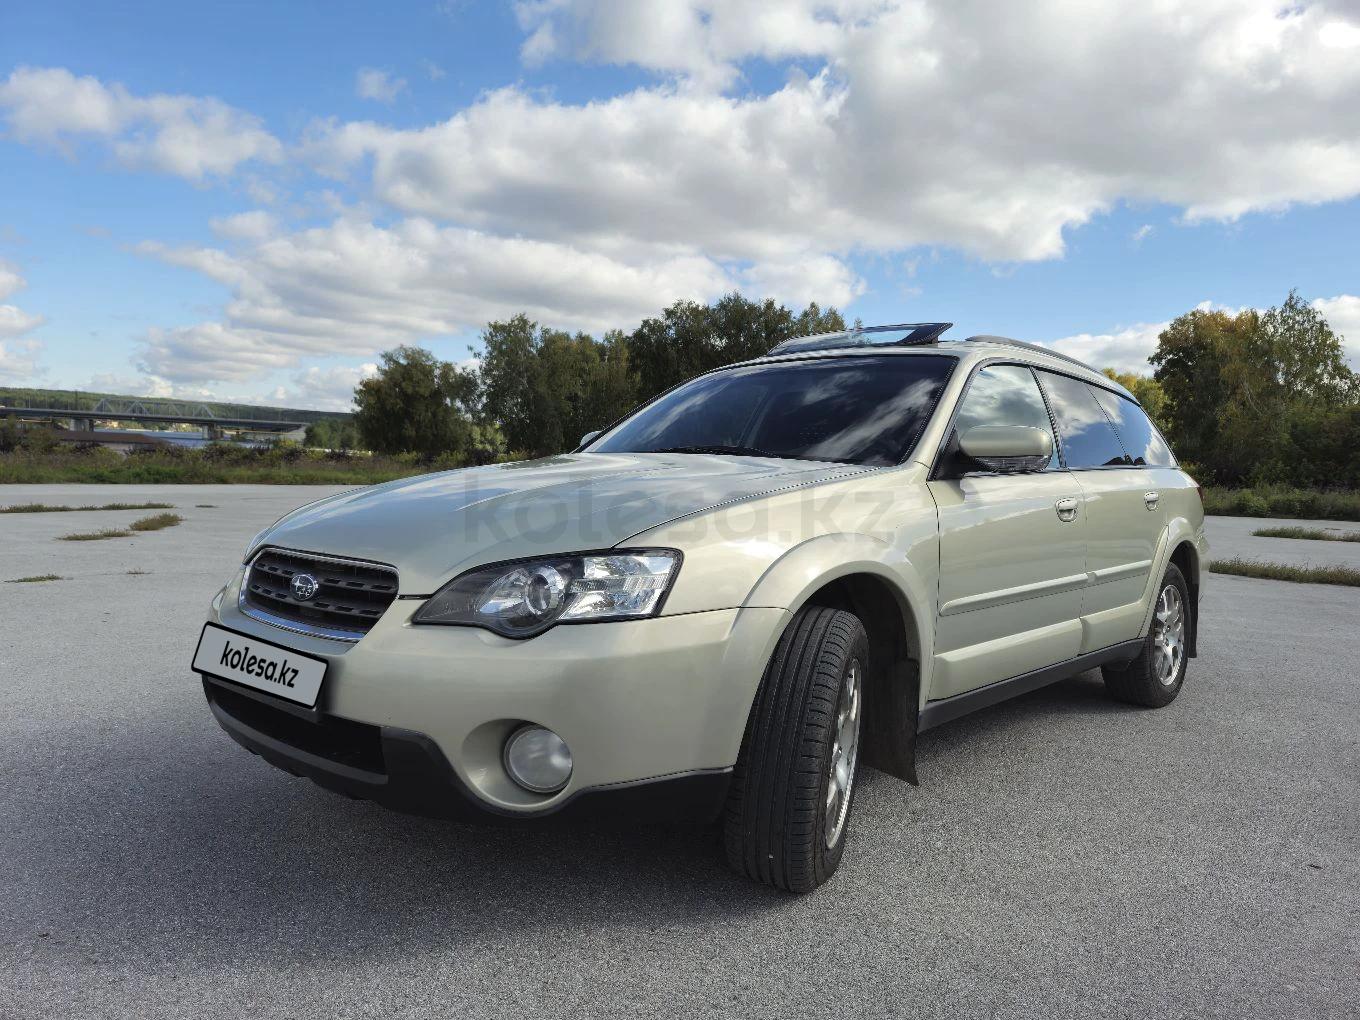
917,333
1005,341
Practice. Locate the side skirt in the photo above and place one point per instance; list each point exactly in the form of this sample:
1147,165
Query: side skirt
947,709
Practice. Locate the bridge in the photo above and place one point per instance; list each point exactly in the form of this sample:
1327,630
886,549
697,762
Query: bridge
82,414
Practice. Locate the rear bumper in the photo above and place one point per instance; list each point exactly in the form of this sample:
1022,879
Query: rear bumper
406,771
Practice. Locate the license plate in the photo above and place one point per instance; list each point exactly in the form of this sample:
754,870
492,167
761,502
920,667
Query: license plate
260,664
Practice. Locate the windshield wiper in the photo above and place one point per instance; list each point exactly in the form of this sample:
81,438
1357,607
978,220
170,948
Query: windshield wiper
734,451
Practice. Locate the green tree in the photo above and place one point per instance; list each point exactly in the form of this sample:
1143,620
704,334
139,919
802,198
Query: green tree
1256,397
333,434
546,387
9,434
510,378
416,404
690,338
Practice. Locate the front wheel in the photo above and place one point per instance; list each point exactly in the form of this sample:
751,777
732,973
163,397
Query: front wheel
794,784
1155,677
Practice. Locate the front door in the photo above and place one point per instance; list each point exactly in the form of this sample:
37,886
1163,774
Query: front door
1012,549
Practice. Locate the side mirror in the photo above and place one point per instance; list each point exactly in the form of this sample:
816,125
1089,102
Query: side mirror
589,436
1008,449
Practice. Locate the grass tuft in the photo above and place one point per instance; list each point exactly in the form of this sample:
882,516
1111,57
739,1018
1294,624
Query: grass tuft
35,578
47,508
156,522
1336,574
1313,534
1284,501
95,536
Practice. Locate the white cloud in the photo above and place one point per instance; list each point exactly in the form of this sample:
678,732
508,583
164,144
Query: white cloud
704,40
1343,315
354,288
433,71
10,280
929,123
799,281
210,352
371,83
1125,349
15,321
328,389
18,358
189,136
1142,233
255,225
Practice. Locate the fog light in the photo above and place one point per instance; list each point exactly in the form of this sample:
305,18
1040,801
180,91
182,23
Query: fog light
537,759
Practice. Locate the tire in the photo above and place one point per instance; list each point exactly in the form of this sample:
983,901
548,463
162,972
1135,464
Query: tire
1155,677
780,826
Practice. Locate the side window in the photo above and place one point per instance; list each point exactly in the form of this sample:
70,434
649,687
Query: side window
1005,395
1088,438
1141,440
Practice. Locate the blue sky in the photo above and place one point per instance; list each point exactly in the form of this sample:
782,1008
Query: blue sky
252,200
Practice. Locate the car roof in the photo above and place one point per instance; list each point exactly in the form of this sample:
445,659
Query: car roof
982,347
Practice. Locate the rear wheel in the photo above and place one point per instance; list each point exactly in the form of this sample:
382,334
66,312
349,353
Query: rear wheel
1155,677
794,784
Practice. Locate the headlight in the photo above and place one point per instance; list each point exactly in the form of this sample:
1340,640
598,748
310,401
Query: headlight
525,598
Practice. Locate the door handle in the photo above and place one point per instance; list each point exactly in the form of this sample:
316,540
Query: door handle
1067,509
1150,499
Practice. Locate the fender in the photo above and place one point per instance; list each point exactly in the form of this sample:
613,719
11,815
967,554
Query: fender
897,692
807,568
1177,531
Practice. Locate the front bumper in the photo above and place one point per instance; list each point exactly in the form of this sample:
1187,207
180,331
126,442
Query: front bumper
406,771
415,717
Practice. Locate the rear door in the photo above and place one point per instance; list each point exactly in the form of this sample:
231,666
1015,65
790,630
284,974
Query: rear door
1012,555
1124,515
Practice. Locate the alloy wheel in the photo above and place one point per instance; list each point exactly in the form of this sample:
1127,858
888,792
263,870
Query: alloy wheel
844,752
1168,636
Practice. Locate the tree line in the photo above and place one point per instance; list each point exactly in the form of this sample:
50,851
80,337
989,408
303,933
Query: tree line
536,390
1244,398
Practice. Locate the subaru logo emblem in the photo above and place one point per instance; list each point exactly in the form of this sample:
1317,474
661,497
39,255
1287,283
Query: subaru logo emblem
304,587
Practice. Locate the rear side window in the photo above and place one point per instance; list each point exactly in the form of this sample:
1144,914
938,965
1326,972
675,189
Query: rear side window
1005,395
1088,438
1142,441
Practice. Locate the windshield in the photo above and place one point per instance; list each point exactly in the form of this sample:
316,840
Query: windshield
857,410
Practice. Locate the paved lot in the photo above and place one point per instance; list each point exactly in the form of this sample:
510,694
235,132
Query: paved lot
1232,536
1064,855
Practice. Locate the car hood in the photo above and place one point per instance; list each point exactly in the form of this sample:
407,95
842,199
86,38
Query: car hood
433,527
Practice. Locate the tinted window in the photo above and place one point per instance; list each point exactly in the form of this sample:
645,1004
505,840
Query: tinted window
1004,395
1088,438
1142,441
861,410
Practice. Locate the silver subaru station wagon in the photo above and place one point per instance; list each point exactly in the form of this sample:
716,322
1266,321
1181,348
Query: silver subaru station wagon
724,605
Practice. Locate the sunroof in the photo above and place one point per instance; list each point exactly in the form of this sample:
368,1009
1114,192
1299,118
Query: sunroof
901,335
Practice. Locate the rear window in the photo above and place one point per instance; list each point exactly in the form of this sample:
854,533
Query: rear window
1088,438
1142,441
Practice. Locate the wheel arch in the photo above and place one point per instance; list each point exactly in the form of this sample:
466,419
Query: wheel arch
1178,547
1186,557
855,573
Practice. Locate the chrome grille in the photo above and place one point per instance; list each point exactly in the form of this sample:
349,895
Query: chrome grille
350,595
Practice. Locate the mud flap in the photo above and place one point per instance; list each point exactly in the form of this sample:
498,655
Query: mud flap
892,706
